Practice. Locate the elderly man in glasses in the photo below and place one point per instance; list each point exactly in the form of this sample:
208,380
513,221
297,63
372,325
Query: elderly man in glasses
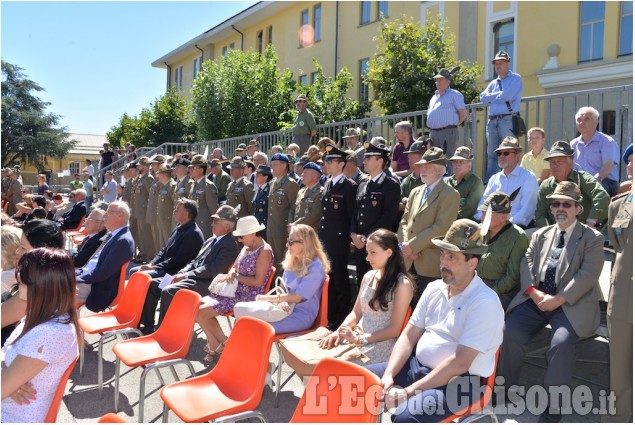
514,181
560,289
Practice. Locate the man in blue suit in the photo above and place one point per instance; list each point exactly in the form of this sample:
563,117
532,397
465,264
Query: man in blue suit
216,256
72,218
98,281
181,247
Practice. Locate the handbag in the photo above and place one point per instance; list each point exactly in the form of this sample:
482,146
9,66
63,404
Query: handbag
518,123
221,285
266,310
302,353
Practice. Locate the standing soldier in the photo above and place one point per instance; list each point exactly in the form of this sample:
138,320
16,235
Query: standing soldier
167,200
282,196
220,179
377,204
261,198
151,212
155,162
184,183
240,191
304,127
338,206
128,192
308,204
14,191
141,194
205,194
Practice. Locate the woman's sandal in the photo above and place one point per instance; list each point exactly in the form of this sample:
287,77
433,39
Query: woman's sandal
213,354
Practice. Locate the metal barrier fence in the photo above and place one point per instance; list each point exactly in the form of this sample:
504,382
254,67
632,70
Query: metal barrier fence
555,113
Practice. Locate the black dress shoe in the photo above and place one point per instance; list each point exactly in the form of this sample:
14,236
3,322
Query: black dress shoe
550,418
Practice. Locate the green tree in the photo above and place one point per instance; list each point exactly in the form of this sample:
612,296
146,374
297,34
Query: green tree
29,133
169,119
401,74
241,93
327,99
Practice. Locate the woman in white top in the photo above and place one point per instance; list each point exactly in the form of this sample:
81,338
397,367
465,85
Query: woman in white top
44,344
382,302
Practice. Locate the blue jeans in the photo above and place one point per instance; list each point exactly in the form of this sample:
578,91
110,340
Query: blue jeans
497,130
435,404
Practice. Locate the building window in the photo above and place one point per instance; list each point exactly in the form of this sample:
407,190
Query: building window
303,80
232,46
382,9
363,87
304,28
608,122
73,167
313,77
317,22
504,39
626,29
365,15
270,34
195,67
178,78
224,50
259,41
591,30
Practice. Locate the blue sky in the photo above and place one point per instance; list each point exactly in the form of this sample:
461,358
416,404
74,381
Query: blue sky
93,58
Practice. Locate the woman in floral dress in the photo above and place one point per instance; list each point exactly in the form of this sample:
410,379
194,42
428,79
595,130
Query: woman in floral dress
252,268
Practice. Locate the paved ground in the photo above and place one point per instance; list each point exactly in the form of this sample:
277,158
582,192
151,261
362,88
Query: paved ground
82,404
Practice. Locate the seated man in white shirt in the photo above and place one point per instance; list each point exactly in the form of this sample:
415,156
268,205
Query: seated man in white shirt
452,335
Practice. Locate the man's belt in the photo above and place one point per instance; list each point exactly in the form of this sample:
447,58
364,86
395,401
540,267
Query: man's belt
498,117
443,128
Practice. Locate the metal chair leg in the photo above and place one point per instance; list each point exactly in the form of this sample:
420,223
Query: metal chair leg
160,377
176,377
142,388
279,375
100,366
117,367
165,413
81,357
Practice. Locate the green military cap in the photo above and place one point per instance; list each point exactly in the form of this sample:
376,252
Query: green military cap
352,132
463,236
462,152
560,148
433,155
417,147
499,202
144,160
164,168
157,158
226,212
237,162
198,161
509,143
567,190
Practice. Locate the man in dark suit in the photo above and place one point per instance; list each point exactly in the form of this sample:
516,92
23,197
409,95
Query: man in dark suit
72,218
95,231
216,256
338,204
98,281
261,198
564,261
181,247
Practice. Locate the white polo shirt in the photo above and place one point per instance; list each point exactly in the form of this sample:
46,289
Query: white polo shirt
474,318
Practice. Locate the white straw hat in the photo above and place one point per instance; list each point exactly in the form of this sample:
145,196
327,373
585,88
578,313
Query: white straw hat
247,226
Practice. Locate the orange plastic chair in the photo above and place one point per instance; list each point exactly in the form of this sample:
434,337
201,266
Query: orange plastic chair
482,407
122,320
51,416
111,418
79,225
166,347
233,388
267,289
339,392
120,287
321,319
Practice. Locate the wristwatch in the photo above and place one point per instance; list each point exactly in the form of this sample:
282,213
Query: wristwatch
363,339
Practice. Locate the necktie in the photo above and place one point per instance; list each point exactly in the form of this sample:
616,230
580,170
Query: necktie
549,285
426,193
201,258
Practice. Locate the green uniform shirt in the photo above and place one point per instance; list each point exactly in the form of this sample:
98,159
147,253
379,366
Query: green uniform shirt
471,190
409,183
76,185
501,263
304,123
595,200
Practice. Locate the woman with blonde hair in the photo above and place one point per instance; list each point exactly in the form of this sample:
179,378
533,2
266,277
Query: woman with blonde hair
305,267
9,240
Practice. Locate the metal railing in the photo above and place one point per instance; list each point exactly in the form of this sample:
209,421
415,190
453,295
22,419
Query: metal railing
555,113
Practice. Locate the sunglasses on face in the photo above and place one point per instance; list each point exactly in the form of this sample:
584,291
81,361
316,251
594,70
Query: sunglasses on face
505,153
565,205
291,242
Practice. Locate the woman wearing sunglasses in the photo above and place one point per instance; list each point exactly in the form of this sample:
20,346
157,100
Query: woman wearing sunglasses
305,268
45,342
252,268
